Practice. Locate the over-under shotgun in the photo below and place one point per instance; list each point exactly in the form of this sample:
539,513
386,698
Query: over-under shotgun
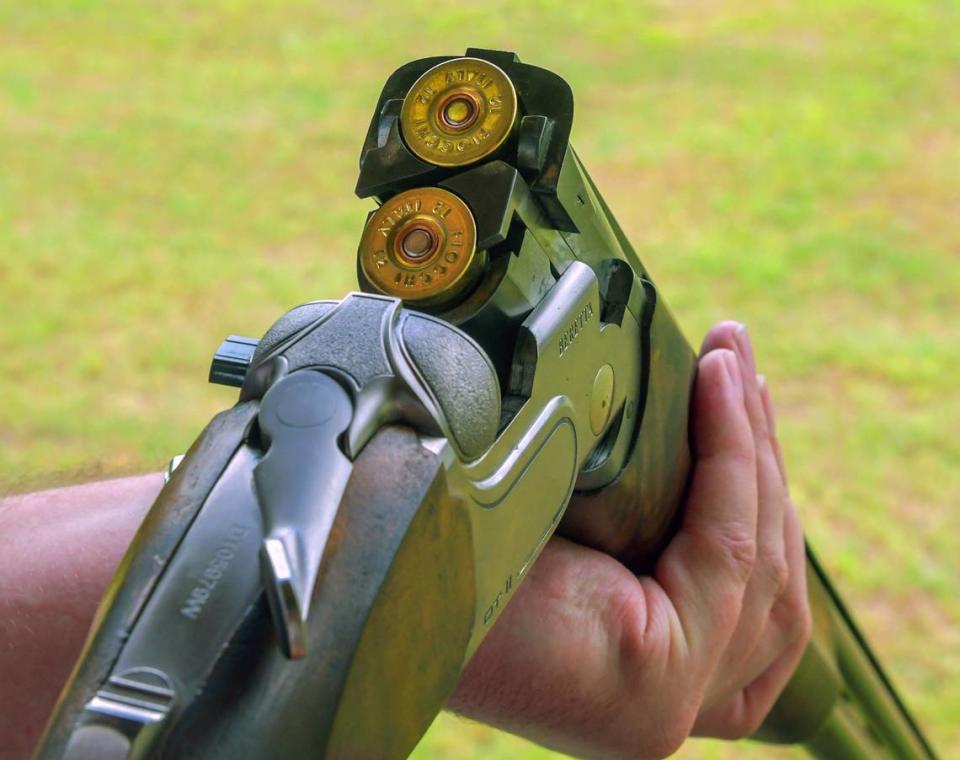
331,551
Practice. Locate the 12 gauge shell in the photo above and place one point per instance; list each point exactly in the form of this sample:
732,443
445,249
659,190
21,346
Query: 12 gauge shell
458,112
421,246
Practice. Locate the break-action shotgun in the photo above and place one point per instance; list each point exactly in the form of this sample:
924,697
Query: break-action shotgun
331,551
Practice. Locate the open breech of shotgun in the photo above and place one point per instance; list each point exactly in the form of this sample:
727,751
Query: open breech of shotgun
331,551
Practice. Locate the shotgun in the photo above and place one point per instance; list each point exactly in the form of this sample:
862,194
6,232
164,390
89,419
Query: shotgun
330,552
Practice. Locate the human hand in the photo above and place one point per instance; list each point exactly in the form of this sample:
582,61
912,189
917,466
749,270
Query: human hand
591,660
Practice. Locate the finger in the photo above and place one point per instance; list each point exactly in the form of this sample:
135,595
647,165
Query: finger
721,335
771,491
770,577
705,568
743,715
772,425
785,638
796,593
789,618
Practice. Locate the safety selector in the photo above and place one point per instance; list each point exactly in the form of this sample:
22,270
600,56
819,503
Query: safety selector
230,362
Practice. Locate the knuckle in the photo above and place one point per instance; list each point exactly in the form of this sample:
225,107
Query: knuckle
761,433
793,616
742,452
731,549
778,574
628,619
735,456
738,550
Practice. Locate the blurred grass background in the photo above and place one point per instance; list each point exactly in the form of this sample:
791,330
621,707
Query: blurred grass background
173,172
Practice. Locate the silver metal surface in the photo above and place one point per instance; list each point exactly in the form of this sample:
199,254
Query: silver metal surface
290,618
518,489
171,466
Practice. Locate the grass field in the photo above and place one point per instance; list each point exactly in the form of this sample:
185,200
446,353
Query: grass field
173,172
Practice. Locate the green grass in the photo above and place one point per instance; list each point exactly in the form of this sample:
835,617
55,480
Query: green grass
174,172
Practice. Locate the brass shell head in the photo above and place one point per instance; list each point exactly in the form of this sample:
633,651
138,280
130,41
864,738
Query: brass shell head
458,112
421,246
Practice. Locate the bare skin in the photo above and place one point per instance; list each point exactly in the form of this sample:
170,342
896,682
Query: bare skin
587,658
591,660
61,548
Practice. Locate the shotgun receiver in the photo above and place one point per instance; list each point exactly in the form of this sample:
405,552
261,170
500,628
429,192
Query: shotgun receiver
331,551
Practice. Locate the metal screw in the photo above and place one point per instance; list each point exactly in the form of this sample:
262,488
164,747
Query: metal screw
601,398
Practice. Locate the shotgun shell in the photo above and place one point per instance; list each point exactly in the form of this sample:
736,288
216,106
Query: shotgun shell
458,112
421,246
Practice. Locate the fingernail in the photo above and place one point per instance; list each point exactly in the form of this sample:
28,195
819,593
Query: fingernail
745,349
732,365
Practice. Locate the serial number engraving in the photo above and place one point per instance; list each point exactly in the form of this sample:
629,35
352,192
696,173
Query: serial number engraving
568,336
200,594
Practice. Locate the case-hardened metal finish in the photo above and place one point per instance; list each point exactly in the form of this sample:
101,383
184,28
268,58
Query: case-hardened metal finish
330,552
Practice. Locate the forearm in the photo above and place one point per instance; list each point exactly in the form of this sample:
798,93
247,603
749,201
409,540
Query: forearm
60,549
